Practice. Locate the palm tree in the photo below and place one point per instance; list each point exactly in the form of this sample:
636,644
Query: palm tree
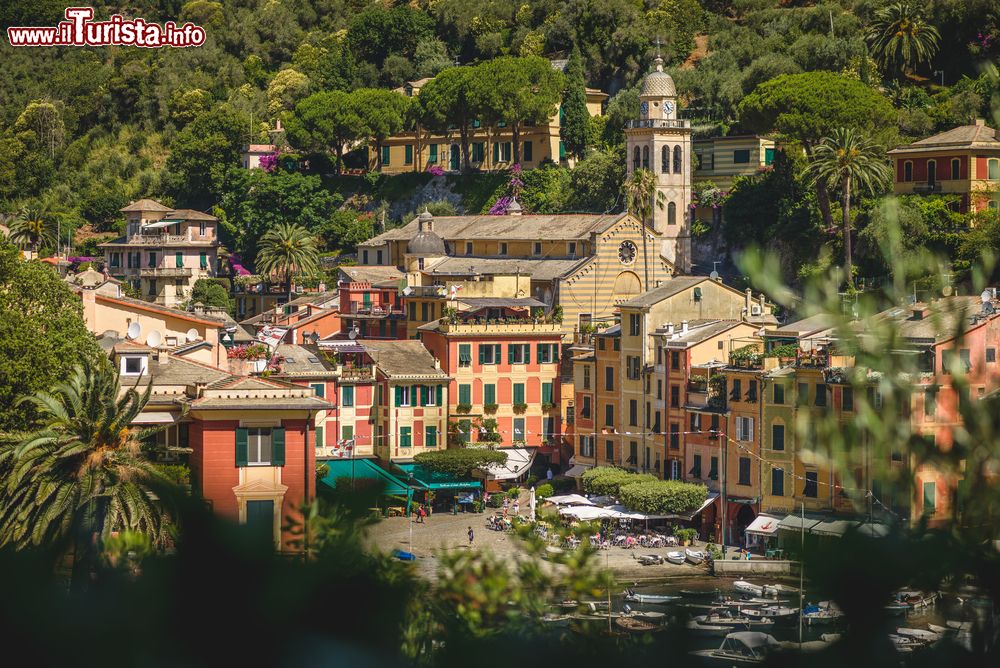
288,248
901,37
847,160
32,227
83,472
640,197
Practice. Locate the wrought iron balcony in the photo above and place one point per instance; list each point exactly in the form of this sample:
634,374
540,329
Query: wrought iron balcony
658,123
165,272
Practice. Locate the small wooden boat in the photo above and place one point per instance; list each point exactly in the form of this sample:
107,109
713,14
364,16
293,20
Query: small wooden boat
676,557
649,598
694,557
633,624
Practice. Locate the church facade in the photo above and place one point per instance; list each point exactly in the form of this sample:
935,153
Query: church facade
660,142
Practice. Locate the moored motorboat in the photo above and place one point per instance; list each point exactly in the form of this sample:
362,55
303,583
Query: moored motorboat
917,600
927,636
711,630
650,559
676,557
694,557
825,613
726,617
745,587
778,613
649,598
746,648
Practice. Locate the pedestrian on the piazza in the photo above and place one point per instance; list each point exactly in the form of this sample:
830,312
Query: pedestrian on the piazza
471,536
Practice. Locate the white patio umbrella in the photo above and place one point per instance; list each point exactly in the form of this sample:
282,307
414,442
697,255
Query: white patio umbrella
531,503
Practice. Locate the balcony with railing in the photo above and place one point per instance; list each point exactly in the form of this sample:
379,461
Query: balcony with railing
501,326
155,239
166,272
357,373
927,188
658,123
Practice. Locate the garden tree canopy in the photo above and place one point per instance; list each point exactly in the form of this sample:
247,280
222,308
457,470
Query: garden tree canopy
807,107
210,293
382,114
42,334
460,462
377,32
517,91
573,126
255,202
607,480
288,249
201,153
346,228
901,37
662,496
447,101
326,121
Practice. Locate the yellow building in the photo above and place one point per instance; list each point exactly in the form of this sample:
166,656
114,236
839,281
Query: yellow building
720,159
490,147
586,264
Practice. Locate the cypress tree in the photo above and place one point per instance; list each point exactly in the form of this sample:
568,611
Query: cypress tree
574,106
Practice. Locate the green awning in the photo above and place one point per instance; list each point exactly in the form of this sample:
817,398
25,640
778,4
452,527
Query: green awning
362,469
427,479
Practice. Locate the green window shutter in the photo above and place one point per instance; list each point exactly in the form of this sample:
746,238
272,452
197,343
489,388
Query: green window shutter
465,353
179,260
408,158
489,393
482,353
277,446
527,151
440,393
204,260
385,155
182,434
546,393
319,437
527,353
241,446
399,395
930,497
405,437
510,353
496,152
434,153
465,394
555,352
347,432
423,395
518,393
539,354
319,389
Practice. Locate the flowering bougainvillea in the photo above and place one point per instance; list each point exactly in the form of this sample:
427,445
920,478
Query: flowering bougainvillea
435,170
252,351
269,161
514,187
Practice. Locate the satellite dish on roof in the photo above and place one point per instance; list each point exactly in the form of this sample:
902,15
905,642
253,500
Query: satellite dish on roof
154,339
192,335
134,330
714,275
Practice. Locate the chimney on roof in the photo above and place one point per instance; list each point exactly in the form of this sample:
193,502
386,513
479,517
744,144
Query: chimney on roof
670,329
980,122
163,357
513,209
749,299
425,221
437,363
684,326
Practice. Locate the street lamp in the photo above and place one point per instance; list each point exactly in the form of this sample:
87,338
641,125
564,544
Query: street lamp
941,73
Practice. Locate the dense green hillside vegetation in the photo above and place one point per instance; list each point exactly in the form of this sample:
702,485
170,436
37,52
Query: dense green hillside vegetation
85,130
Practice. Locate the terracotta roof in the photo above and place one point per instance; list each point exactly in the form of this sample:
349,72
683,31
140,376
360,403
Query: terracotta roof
304,361
403,359
164,310
270,404
962,136
189,214
144,205
524,227
372,274
538,270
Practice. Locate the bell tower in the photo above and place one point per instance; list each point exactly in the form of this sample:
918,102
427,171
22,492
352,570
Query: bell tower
661,142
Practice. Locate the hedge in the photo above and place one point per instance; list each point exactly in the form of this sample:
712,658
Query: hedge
606,480
659,497
460,462
544,491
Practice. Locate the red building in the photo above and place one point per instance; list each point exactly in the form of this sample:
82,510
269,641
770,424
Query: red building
504,369
371,302
963,161
251,439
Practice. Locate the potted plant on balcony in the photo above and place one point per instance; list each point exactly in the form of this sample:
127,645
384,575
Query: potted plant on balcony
490,408
521,408
548,406
463,408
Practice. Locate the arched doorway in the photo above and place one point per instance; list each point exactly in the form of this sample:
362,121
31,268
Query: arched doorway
744,517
